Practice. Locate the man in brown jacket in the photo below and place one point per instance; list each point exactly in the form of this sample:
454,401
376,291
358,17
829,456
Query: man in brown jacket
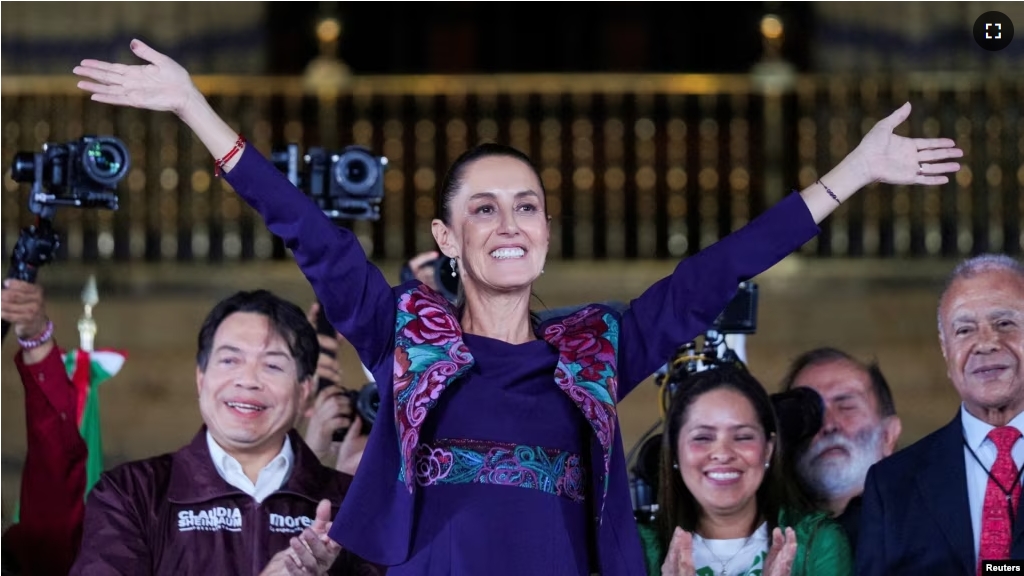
246,496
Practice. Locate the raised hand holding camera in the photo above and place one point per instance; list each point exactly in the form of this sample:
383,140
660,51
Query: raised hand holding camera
79,174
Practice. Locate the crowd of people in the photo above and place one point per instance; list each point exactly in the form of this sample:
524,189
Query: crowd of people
496,448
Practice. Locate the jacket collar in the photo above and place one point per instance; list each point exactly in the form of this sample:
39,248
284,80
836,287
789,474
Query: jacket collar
430,354
194,478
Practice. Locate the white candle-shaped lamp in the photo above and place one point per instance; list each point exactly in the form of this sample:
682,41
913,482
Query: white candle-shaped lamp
86,324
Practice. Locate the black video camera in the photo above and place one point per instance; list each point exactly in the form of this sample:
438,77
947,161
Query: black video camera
347,185
82,173
365,401
447,283
740,316
800,413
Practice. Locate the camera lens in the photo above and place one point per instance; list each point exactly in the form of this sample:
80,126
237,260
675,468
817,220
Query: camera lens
23,169
105,161
356,171
368,404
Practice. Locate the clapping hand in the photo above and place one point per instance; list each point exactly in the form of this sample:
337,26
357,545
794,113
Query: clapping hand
679,561
781,554
311,552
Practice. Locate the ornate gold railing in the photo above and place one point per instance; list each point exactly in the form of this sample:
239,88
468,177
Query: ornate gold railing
634,165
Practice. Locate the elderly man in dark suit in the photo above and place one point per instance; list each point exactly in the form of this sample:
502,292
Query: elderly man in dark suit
951,501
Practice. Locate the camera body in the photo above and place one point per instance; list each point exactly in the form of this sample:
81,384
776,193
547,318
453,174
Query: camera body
365,401
346,185
740,316
82,173
447,283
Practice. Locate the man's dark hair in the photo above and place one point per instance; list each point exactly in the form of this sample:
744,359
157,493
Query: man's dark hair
286,319
825,355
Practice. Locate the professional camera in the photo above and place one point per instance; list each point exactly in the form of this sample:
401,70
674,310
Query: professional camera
447,284
800,413
740,316
82,173
347,185
365,401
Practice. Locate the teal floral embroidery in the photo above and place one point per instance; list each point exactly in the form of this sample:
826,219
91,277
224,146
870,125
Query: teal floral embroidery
588,343
470,461
430,354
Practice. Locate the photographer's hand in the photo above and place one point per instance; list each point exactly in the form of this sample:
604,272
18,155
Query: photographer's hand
24,307
351,451
421,269
332,410
161,85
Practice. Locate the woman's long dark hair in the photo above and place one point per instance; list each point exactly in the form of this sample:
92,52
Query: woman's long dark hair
677,506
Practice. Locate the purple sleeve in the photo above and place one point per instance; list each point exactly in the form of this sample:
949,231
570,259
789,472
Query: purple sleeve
354,294
678,308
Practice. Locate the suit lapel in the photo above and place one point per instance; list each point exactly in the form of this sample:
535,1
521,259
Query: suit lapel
942,480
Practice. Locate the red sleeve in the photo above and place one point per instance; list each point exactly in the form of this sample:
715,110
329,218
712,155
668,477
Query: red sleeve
52,507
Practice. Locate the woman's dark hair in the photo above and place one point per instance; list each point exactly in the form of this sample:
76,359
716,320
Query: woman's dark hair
286,319
453,179
677,506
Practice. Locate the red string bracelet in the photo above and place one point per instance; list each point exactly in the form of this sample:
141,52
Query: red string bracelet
220,164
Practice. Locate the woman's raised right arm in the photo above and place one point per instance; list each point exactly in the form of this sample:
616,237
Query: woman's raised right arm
355,295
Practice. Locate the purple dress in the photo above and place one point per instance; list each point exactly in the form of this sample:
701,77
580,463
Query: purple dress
492,458
510,393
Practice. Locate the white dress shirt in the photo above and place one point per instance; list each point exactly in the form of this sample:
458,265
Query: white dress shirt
976,433
268,481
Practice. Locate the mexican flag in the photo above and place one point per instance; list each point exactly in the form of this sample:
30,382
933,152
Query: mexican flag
87,370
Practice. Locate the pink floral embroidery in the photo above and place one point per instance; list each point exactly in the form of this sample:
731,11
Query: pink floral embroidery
429,355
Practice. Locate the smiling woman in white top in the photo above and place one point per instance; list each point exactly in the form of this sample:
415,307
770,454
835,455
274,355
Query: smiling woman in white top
725,507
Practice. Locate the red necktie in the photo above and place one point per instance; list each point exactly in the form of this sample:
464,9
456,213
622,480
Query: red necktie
1002,494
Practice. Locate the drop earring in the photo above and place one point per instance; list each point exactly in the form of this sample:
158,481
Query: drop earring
453,267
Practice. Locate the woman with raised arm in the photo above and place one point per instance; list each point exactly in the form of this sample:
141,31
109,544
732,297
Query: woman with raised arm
496,449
